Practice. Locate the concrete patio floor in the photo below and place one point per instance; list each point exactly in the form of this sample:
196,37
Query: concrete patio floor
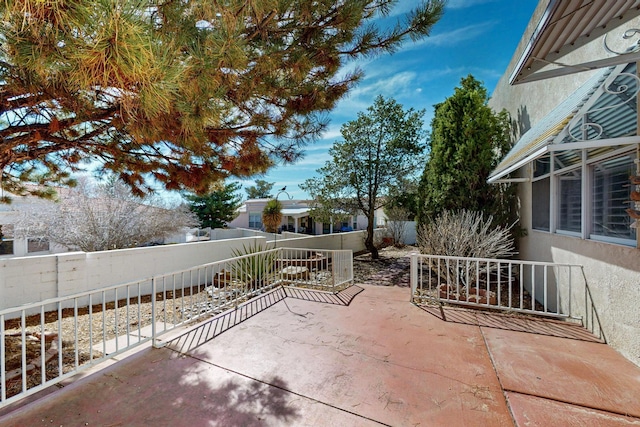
365,357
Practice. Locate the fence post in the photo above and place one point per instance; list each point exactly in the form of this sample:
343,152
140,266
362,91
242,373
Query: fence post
153,313
334,261
414,275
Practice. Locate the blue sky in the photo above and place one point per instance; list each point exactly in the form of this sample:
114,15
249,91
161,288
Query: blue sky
475,37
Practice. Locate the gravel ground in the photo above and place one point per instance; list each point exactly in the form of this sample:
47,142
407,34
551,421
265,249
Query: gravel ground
390,269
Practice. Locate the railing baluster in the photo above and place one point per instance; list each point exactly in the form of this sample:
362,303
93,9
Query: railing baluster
60,349
127,314
104,323
533,287
413,275
509,272
116,319
570,313
23,346
499,285
75,332
181,297
545,283
164,303
477,276
521,286
43,345
558,301
154,290
173,300
139,312
90,327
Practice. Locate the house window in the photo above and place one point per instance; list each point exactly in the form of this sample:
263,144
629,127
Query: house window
540,202
326,228
37,245
6,244
255,220
604,206
611,195
570,201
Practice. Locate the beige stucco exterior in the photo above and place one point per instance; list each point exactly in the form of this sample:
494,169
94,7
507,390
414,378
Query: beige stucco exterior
296,214
612,271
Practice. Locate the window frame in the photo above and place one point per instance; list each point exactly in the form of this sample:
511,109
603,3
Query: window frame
592,176
558,178
587,170
40,241
254,222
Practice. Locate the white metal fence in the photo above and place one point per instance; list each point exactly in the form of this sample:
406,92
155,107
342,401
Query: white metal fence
539,288
44,343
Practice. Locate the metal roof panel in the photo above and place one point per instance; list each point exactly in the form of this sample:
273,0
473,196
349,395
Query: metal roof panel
567,25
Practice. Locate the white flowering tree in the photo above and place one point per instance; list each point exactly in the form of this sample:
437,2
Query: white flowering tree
104,216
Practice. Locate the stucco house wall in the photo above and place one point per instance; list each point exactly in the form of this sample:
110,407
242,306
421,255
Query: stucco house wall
612,271
256,206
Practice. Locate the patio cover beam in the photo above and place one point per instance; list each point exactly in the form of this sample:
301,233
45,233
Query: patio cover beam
551,148
567,25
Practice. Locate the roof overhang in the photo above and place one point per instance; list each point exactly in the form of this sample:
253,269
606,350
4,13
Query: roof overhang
552,148
567,25
296,212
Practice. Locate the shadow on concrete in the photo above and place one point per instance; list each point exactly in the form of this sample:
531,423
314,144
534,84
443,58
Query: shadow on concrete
343,297
232,399
511,322
253,403
210,329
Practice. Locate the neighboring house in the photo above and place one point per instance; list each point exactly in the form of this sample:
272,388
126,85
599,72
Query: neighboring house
296,218
12,245
576,151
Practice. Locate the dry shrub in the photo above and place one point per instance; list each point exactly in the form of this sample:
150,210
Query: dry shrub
397,225
465,234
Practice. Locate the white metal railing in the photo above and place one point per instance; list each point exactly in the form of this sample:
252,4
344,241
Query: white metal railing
316,269
512,285
43,343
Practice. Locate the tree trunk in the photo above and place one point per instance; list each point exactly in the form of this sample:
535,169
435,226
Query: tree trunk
368,242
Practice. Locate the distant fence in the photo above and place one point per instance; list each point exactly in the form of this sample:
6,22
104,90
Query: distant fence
25,280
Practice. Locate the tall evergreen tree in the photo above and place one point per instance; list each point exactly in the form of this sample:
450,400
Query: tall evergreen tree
467,141
379,149
262,190
184,92
217,208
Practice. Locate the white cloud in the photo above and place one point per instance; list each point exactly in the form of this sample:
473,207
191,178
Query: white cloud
463,4
403,7
330,134
315,161
451,38
393,84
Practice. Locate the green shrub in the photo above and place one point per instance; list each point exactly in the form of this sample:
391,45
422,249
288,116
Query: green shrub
256,266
